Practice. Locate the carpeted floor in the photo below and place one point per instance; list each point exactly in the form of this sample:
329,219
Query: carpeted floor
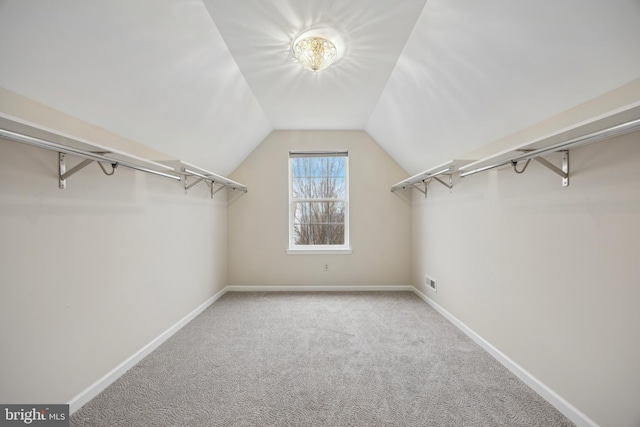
319,359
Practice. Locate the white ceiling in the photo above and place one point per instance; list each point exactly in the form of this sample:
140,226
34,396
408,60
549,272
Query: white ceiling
208,80
154,71
259,34
475,71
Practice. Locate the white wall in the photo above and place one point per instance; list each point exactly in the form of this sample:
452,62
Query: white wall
91,274
380,222
548,275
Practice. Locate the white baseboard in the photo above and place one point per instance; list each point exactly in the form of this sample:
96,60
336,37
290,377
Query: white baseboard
96,388
320,288
567,409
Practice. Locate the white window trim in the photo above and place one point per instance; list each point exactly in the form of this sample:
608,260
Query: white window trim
345,249
314,250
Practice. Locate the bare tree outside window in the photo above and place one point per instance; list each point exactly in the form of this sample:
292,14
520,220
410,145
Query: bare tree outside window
319,200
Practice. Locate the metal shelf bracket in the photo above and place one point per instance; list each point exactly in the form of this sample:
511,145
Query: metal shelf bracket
188,185
562,171
443,174
214,187
211,183
423,191
424,188
448,185
63,174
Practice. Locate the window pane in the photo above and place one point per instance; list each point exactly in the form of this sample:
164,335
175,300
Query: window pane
319,223
301,234
319,234
310,234
318,187
336,212
319,177
318,213
301,213
336,234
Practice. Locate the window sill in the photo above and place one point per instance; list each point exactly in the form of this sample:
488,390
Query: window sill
319,251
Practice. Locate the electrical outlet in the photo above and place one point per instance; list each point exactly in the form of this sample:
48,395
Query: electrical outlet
431,283
326,267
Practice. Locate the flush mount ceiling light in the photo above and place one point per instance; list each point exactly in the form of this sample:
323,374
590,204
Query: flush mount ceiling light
313,51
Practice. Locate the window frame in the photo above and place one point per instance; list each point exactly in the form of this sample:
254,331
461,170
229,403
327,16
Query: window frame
293,248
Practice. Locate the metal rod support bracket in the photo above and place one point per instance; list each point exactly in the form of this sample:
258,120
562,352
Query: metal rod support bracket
188,186
417,187
563,171
63,174
424,188
211,183
448,185
62,169
215,190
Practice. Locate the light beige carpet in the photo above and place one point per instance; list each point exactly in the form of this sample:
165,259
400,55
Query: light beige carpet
319,359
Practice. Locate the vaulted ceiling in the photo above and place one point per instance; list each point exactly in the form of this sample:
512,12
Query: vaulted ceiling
208,80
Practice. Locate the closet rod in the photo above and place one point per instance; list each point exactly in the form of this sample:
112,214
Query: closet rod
609,132
49,145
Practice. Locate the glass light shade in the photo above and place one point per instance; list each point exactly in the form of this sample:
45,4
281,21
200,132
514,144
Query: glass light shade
315,53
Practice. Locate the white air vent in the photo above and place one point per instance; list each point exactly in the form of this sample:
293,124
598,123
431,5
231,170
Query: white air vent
431,283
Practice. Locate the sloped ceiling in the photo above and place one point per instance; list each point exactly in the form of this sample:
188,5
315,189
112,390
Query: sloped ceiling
475,71
155,71
259,34
208,80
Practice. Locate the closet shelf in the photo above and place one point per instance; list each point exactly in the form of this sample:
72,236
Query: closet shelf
193,175
601,128
16,130
440,173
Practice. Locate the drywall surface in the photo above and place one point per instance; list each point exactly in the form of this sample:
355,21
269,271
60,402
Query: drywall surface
619,99
91,274
548,275
380,221
25,110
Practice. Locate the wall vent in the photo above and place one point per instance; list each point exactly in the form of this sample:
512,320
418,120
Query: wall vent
431,283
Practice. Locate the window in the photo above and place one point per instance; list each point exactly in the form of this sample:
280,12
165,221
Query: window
318,202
